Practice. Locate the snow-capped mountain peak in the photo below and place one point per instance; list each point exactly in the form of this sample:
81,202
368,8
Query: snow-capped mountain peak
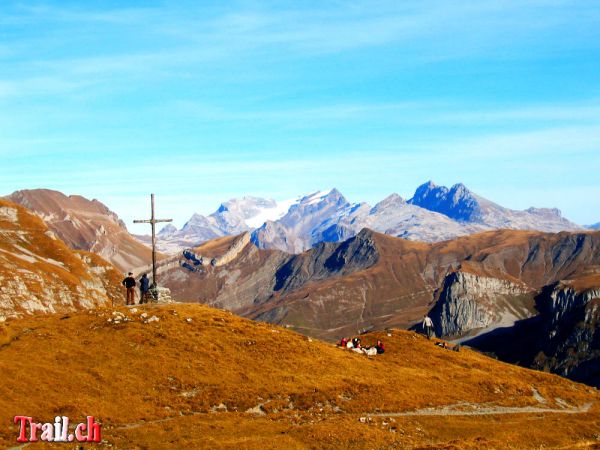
275,212
393,200
315,197
434,213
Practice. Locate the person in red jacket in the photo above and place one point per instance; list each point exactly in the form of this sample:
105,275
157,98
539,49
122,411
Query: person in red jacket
380,347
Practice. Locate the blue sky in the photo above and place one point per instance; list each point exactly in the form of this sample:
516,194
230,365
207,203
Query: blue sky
203,101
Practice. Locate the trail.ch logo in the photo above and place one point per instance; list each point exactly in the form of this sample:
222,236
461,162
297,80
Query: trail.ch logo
88,431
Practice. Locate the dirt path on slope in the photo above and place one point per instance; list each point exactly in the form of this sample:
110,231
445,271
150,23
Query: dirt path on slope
474,409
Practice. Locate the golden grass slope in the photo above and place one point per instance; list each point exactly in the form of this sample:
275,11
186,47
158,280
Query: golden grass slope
204,378
39,273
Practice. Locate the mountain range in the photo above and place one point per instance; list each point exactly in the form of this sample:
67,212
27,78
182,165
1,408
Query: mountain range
433,214
537,291
472,286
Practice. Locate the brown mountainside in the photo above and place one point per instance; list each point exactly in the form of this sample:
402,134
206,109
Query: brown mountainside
39,273
377,281
85,225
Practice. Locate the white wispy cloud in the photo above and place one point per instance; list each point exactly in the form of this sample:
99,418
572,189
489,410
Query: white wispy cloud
430,30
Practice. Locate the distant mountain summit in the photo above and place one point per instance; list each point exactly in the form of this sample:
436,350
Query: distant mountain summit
458,202
232,217
434,213
302,226
462,205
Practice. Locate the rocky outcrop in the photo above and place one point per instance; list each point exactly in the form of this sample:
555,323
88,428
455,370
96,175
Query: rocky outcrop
39,273
570,333
562,337
326,260
233,252
469,302
456,202
85,225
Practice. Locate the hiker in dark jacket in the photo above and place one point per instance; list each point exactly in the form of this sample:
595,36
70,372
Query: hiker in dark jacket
129,283
144,288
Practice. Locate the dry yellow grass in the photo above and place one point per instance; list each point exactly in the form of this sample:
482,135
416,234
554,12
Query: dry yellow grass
155,385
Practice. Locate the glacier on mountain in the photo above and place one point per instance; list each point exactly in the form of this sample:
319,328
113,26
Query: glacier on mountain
434,213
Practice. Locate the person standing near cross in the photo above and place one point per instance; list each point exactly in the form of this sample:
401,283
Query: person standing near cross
153,221
129,283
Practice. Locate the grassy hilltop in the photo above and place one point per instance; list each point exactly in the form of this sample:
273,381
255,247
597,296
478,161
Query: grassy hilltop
204,378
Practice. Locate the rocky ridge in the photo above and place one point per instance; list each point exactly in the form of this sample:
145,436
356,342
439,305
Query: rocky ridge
39,273
85,225
570,332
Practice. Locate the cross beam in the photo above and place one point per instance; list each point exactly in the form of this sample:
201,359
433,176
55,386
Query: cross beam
153,221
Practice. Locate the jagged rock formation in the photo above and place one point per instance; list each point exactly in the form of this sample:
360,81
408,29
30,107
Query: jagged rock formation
570,330
509,273
233,252
39,273
563,337
85,225
462,205
457,202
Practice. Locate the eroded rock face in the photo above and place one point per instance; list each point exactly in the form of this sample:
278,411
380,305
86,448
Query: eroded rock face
85,225
39,273
570,343
326,260
469,302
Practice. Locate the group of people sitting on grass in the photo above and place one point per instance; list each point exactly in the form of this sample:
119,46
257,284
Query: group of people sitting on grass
445,345
355,345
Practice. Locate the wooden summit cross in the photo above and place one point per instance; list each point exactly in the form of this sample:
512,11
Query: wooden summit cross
153,223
